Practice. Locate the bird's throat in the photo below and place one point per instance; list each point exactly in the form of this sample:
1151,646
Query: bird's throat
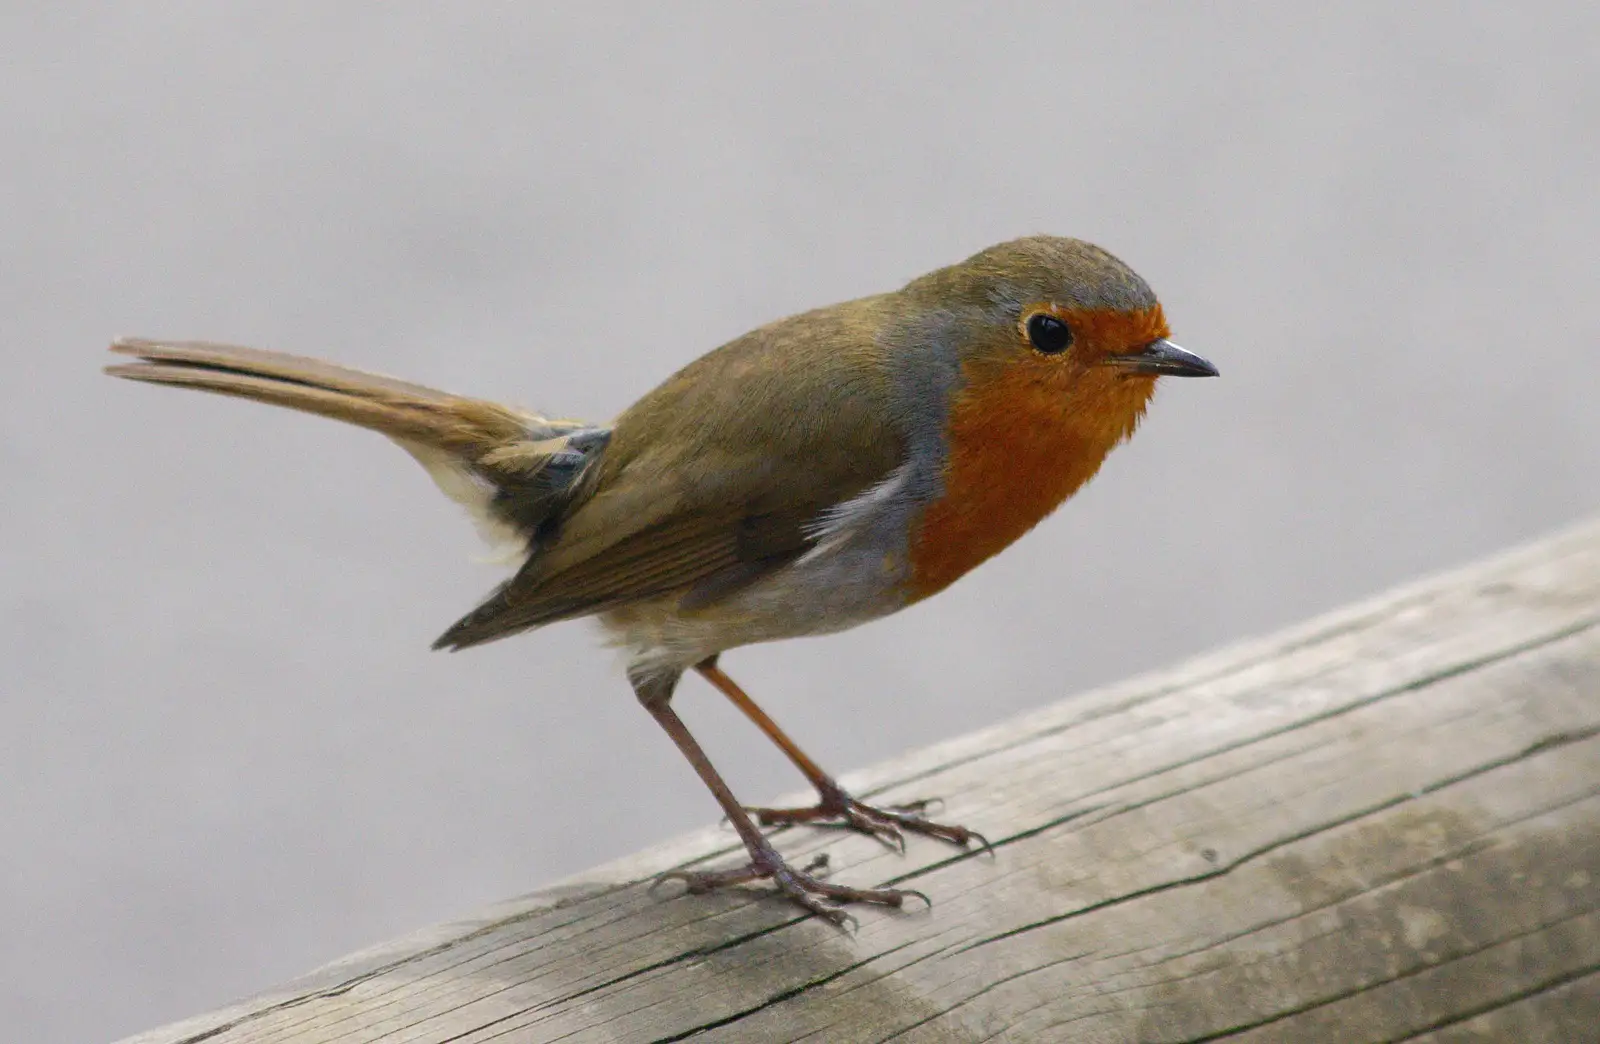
1018,446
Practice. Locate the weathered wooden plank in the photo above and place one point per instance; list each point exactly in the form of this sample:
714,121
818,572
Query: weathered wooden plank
1383,825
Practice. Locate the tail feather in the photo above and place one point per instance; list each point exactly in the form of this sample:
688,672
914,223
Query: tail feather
512,469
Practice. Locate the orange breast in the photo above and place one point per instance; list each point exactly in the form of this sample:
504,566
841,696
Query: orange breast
1020,442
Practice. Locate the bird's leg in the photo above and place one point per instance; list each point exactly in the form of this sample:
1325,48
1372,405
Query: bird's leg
834,803
801,887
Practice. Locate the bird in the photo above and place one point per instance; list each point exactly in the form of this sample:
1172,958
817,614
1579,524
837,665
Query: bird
819,472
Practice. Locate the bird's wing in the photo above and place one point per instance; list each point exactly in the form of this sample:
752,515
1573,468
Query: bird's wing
711,481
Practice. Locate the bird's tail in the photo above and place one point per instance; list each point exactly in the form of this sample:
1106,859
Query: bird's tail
512,469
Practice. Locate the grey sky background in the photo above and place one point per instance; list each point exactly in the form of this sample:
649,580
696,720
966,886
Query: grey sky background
226,753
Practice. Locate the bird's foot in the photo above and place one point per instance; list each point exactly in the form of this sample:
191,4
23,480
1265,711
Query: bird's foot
804,887
837,808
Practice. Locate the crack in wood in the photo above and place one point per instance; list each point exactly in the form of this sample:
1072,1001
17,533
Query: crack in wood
1504,1002
1386,881
996,984
1420,969
777,998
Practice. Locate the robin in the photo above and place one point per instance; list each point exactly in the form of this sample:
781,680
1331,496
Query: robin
819,472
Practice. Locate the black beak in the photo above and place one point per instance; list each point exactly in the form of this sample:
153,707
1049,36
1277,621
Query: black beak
1162,358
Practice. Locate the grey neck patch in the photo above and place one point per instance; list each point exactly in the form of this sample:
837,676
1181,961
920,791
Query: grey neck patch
925,374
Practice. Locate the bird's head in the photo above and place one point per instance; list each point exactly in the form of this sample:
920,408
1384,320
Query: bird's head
1059,308
1050,334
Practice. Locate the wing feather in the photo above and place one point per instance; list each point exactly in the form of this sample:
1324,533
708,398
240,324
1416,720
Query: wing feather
716,478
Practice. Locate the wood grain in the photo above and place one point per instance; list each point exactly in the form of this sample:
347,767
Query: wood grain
1381,826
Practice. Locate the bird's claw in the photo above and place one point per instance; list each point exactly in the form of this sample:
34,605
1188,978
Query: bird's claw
805,887
888,824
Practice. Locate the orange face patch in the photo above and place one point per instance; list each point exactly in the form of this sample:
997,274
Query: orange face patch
1024,434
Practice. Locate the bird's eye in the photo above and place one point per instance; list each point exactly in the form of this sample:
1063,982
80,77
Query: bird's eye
1049,334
